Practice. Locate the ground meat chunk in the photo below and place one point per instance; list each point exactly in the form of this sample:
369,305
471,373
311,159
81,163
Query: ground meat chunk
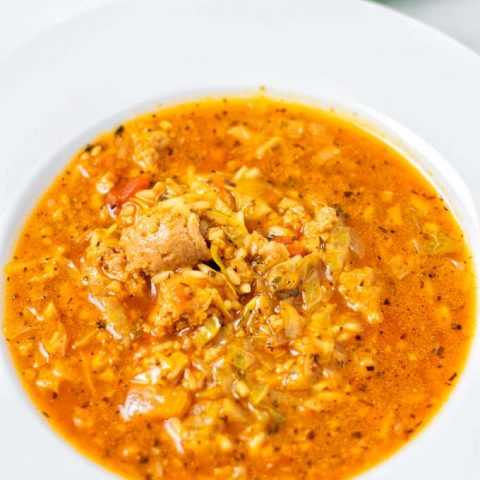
109,258
147,148
273,253
270,252
325,219
164,239
181,306
293,213
113,262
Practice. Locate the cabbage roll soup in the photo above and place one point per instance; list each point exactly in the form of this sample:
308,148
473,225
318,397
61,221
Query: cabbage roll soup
239,289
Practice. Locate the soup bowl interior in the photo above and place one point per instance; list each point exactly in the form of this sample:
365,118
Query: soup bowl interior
433,166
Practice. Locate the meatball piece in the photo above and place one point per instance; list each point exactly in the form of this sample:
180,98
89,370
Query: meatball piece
164,239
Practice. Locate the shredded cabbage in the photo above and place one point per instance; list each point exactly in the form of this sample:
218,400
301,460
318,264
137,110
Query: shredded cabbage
116,320
206,332
337,251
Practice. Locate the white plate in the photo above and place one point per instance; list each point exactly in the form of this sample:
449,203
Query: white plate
88,73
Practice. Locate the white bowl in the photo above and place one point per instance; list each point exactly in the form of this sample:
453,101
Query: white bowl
397,76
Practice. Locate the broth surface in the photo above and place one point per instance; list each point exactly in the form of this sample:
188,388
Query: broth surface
328,315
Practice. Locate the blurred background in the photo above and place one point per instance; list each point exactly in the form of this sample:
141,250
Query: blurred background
458,18
21,19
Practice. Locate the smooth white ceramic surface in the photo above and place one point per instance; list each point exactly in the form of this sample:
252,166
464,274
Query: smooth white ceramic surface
86,74
20,19
458,18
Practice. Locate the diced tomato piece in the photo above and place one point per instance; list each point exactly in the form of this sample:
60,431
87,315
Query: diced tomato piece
293,246
296,248
125,190
284,240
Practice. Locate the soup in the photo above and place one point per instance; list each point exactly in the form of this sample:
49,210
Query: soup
239,288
